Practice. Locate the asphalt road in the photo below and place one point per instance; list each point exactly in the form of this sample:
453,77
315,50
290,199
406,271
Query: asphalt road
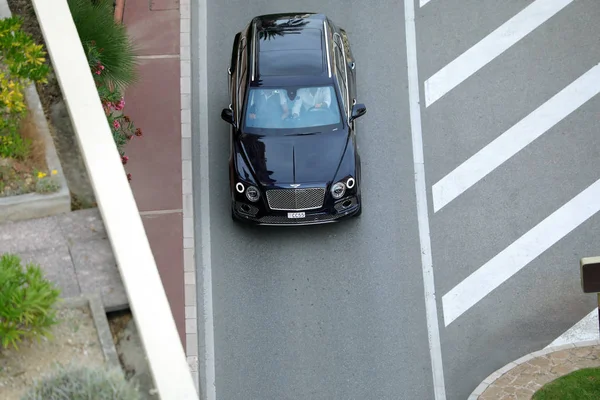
490,219
330,312
511,159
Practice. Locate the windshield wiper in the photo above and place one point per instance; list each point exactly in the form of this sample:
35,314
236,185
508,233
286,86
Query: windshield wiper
302,134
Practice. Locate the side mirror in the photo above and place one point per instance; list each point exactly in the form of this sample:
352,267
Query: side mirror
358,110
227,116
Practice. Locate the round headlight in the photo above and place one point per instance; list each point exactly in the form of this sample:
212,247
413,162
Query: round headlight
239,187
350,183
252,193
338,190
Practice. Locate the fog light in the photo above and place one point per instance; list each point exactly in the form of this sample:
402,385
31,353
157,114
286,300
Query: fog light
252,193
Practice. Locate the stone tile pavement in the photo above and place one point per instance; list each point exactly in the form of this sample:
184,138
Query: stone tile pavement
520,379
73,250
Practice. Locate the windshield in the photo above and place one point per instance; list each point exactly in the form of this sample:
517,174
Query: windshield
309,109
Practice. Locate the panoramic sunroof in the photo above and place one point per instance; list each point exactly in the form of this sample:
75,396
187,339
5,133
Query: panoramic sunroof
291,63
288,39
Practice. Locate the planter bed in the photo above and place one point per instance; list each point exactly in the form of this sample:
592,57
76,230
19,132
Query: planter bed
103,40
82,337
57,117
32,184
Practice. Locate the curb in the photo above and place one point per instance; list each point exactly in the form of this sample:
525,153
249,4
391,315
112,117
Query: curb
487,382
100,321
189,264
35,205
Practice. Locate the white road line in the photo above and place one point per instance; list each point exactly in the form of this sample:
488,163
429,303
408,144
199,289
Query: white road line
200,133
584,330
435,347
520,253
423,2
516,138
490,47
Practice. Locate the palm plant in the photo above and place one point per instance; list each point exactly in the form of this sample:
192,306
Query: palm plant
105,42
269,29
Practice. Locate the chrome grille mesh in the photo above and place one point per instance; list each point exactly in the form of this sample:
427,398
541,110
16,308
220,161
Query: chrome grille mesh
295,199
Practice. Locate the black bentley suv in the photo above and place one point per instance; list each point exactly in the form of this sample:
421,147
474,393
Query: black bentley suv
292,87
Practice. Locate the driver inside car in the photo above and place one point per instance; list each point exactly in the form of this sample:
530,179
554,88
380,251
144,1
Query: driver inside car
267,104
311,98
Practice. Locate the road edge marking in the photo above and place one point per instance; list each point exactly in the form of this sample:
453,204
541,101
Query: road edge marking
433,329
201,203
187,199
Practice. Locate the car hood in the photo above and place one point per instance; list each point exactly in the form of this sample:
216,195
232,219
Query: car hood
295,159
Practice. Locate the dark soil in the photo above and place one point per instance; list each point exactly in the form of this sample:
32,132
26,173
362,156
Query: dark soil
117,321
58,118
131,352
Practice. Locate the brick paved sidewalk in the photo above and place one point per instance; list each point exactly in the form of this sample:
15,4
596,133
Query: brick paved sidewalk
160,161
520,379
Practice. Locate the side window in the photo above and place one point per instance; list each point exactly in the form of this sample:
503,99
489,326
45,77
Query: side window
241,82
340,67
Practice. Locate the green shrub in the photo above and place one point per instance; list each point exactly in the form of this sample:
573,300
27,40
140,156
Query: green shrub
27,302
12,144
22,62
111,57
83,383
105,42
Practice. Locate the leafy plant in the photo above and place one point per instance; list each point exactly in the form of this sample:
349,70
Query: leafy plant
83,383
27,302
105,42
23,57
12,144
22,62
111,57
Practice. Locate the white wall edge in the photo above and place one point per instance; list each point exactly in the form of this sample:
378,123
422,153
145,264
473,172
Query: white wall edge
149,304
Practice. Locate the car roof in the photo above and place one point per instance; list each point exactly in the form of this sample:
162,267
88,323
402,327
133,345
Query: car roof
290,48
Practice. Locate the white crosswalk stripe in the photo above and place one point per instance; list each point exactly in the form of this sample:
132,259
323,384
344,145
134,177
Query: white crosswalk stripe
584,330
490,47
516,138
520,253
572,97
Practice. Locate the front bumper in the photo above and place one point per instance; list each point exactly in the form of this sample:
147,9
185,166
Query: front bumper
246,212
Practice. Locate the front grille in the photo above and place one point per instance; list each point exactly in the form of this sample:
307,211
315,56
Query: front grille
295,199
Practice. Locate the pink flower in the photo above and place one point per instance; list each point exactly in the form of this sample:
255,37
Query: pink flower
129,177
124,159
116,124
99,69
120,105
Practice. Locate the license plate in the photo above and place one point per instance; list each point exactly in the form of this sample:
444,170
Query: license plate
296,215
